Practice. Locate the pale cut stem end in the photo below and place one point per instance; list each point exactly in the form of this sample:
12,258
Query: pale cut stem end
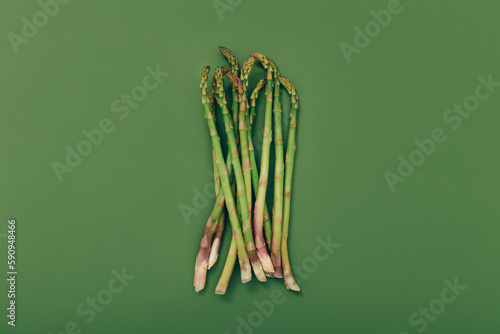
291,284
213,257
259,272
277,272
257,266
267,264
199,281
260,243
200,270
246,270
214,250
201,264
276,259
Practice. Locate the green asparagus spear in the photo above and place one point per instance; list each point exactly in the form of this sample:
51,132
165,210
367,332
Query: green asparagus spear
289,162
260,201
228,269
279,170
240,183
203,253
253,162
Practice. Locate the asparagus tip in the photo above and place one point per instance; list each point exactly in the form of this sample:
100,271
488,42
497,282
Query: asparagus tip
204,75
257,55
263,59
246,69
231,58
236,82
225,69
291,90
257,89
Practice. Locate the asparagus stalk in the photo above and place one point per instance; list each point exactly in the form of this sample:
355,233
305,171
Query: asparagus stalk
216,175
212,104
203,253
212,225
260,200
228,269
230,260
250,114
231,58
217,239
219,215
219,232
214,250
253,162
245,160
259,240
291,146
233,189
240,183
201,266
216,171
242,125
234,69
279,171
243,128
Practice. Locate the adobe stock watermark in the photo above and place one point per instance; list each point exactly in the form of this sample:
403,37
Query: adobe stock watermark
265,309
200,201
453,117
30,27
421,318
363,37
97,303
222,6
122,107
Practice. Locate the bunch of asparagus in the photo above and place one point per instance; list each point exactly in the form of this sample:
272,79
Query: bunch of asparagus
240,184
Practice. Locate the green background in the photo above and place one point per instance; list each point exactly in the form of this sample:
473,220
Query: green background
120,207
